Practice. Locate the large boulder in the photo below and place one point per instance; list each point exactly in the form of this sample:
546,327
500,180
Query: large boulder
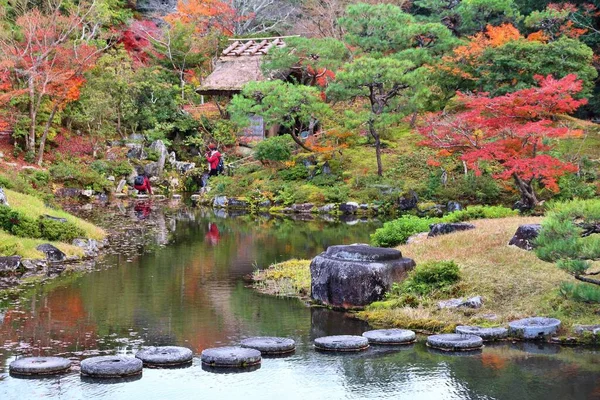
159,147
9,265
52,253
348,208
303,208
137,152
446,228
453,206
356,275
525,236
408,202
3,199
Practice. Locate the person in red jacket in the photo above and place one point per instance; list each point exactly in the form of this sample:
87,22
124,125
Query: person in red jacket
142,184
213,157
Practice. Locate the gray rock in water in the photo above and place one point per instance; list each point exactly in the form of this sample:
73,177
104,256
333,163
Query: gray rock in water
533,328
327,208
52,253
303,208
89,246
453,206
455,342
348,208
408,202
446,228
487,334
9,265
354,276
525,236
3,198
111,366
39,366
232,357
472,302
390,336
238,204
220,202
165,356
270,345
342,343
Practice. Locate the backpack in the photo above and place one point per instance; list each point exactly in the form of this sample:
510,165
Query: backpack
139,180
221,165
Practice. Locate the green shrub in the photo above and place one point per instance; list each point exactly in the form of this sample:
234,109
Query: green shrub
336,194
278,148
115,168
425,279
79,175
20,225
480,212
59,231
296,173
26,227
580,292
398,231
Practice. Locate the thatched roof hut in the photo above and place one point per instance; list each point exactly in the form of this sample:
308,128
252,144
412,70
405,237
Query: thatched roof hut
239,64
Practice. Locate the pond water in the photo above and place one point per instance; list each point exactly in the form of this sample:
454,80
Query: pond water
177,279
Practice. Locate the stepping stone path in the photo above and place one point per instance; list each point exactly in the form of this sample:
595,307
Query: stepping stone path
342,343
165,356
269,345
111,367
230,357
487,334
390,336
455,342
39,366
533,328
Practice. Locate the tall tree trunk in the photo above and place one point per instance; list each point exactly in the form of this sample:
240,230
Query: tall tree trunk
182,84
528,196
413,120
30,141
375,135
40,159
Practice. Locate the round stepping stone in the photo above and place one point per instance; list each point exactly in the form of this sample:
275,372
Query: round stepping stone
487,334
269,345
165,356
111,366
390,336
233,357
455,342
39,366
342,343
533,328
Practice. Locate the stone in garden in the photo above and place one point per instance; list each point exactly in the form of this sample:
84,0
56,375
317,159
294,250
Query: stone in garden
88,193
390,336
3,198
159,147
408,202
68,192
152,169
487,334
52,253
455,342
326,169
9,265
239,204
472,302
303,208
348,208
220,202
446,228
137,152
165,356
327,208
89,246
183,167
110,178
39,366
356,275
417,238
525,236
111,366
363,206
453,206
57,219
121,186
533,328
231,357
342,343
580,329
270,345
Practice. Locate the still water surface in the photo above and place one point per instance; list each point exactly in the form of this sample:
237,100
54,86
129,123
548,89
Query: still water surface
183,286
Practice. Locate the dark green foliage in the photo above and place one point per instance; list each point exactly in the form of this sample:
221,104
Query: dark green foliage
429,278
108,167
580,292
59,231
78,175
399,230
278,148
43,228
295,173
480,212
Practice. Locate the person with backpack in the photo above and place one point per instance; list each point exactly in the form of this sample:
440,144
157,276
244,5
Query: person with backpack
215,161
142,184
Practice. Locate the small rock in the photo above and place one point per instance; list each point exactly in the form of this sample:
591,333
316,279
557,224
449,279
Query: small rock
220,202
52,253
580,329
3,198
525,236
303,208
239,204
57,219
111,178
9,265
446,228
473,302
121,186
408,201
88,193
418,238
348,208
89,246
137,152
327,208
453,206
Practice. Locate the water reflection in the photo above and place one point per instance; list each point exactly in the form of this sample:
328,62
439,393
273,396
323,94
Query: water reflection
190,293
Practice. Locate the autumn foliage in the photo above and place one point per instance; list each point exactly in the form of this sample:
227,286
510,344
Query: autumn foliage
509,132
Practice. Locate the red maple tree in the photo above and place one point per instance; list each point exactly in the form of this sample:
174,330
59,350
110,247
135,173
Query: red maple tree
509,131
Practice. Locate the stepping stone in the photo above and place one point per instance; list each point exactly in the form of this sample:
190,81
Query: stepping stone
39,366
269,345
111,366
165,356
231,357
533,328
390,336
455,342
487,334
342,343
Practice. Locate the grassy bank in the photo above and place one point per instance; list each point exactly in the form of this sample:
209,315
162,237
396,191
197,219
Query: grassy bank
514,283
33,208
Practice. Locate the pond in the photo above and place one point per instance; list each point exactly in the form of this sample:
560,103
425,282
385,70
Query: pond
182,284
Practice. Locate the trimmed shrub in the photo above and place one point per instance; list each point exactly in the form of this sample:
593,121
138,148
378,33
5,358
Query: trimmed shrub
278,148
20,225
59,231
398,231
425,279
480,212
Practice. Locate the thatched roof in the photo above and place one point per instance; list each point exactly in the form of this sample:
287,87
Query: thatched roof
239,64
